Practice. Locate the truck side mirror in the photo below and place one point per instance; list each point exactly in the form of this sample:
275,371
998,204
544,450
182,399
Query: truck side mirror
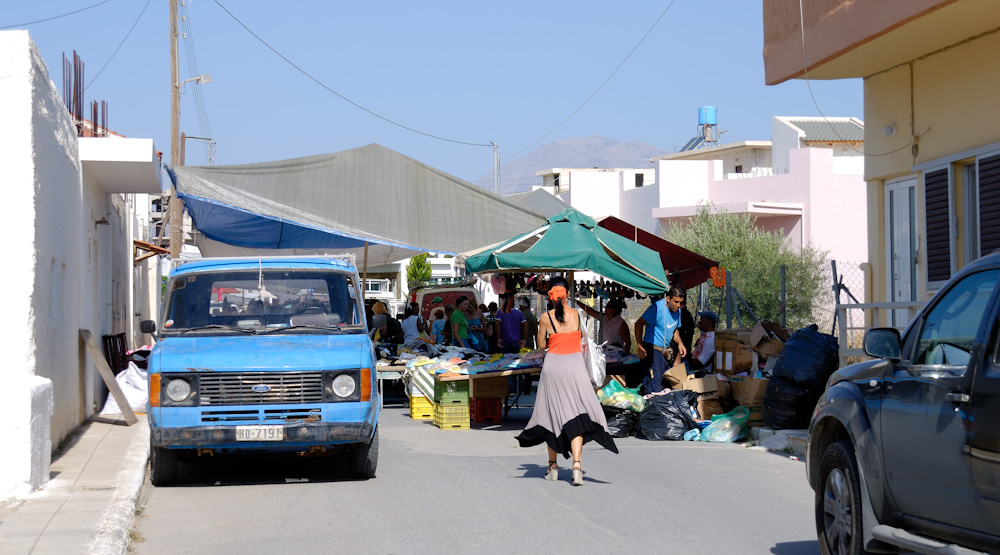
883,343
147,326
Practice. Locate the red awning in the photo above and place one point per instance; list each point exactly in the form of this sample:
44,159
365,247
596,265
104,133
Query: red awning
692,267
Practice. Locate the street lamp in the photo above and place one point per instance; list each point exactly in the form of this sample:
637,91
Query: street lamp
204,78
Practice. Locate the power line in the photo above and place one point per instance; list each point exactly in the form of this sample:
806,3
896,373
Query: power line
320,83
55,17
553,130
204,124
119,46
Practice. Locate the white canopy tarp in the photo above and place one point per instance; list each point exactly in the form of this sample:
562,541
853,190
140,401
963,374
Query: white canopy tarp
335,203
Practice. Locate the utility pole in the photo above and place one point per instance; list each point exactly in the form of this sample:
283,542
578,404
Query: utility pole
496,168
176,212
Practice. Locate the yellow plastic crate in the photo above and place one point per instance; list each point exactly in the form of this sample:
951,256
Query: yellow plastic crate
421,402
451,409
452,426
417,413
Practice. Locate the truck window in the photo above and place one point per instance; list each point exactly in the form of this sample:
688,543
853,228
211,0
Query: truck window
272,299
948,331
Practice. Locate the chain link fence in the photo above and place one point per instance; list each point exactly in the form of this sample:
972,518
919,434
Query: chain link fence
848,287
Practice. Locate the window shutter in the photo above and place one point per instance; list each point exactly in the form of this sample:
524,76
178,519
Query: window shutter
938,225
989,204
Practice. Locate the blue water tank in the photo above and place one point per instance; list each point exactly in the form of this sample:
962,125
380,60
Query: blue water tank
707,115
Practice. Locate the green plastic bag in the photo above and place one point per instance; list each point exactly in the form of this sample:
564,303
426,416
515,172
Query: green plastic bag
736,419
616,395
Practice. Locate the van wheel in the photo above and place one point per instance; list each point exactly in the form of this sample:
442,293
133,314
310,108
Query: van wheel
839,521
162,466
364,458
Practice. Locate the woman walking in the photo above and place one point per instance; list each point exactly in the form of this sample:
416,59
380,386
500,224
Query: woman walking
567,413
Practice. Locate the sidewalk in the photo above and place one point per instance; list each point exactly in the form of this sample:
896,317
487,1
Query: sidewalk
89,504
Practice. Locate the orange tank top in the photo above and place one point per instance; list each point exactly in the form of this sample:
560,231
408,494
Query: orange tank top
564,343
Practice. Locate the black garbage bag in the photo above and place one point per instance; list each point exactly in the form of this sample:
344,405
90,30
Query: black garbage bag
621,422
787,405
808,359
668,416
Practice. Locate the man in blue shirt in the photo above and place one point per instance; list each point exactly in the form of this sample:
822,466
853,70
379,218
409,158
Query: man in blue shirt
653,332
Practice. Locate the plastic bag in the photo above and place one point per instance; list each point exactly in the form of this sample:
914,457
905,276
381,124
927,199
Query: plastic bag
808,359
621,422
692,435
722,430
789,405
668,416
615,395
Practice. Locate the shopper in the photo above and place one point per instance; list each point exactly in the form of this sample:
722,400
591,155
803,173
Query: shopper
459,323
437,327
529,318
653,332
412,323
477,339
567,413
510,326
703,356
614,330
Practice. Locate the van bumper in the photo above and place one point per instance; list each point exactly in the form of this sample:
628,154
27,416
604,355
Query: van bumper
304,434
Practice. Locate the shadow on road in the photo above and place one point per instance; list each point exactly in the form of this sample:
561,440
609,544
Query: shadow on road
249,469
796,548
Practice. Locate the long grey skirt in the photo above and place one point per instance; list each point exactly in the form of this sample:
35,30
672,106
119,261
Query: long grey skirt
566,407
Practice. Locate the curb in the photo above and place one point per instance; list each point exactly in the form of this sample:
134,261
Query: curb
112,535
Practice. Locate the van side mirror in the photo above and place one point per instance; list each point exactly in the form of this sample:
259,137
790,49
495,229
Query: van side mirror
883,343
147,326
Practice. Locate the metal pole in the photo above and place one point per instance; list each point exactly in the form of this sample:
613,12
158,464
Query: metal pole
176,212
836,292
729,300
784,299
496,168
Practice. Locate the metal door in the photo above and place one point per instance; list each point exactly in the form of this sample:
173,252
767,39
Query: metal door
901,245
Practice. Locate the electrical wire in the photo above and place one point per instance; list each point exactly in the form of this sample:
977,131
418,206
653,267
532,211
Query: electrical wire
204,124
342,97
119,46
805,74
54,17
578,108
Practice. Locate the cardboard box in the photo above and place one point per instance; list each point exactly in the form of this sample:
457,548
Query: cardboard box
768,339
725,389
708,408
676,376
497,386
740,359
708,384
727,340
749,391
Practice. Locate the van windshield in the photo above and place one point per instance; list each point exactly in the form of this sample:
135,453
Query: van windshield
268,301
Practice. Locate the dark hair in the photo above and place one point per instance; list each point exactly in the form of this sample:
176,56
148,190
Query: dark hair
412,309
560,311
677,292
617,305
460,300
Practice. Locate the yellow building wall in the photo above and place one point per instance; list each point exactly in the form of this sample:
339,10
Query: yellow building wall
950,108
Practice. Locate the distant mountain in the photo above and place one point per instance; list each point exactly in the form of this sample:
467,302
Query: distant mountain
519,176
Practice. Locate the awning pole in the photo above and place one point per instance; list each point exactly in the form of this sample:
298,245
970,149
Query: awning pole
364,275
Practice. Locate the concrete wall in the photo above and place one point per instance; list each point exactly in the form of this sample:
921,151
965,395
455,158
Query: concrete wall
952,92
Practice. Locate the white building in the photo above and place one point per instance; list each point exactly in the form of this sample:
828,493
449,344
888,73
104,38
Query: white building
75,207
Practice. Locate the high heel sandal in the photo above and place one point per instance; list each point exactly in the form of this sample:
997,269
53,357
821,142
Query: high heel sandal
577,473
553,473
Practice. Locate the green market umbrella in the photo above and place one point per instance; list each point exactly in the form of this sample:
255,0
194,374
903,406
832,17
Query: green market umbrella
572,240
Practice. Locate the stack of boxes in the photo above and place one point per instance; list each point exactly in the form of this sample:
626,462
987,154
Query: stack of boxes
708,395
451,404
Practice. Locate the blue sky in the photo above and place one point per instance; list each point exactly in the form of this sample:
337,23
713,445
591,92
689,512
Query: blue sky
467,71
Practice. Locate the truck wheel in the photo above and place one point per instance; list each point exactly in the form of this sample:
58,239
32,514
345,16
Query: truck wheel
162,466
364,458
838,502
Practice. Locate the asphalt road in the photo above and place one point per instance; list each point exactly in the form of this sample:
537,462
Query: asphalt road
461,491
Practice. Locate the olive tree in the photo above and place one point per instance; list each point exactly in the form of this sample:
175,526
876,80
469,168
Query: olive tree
418,269
754,257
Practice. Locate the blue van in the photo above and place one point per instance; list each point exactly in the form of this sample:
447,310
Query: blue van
262,354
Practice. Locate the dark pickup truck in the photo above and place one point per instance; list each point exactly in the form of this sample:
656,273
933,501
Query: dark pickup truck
904,450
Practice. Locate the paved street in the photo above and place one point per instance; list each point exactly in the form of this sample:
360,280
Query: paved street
476,491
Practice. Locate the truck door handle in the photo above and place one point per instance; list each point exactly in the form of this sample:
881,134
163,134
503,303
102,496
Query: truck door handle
957,397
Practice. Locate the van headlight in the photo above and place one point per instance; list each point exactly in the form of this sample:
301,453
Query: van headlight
343,385
178,390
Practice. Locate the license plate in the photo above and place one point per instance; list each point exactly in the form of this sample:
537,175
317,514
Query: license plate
260,433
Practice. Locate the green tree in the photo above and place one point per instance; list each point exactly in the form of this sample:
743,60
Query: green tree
418,269
755,257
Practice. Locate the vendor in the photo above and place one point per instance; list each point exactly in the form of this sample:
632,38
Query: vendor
614,330
510,326
654,331
703,356
459,323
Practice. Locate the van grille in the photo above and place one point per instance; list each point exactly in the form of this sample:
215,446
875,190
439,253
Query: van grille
236,388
